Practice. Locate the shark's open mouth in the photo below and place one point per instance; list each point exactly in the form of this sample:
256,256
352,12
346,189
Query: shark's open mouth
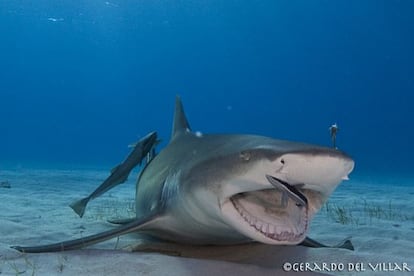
280,214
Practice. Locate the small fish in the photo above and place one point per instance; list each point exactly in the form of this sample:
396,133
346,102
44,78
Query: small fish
55,19
111,4
288,191
333,129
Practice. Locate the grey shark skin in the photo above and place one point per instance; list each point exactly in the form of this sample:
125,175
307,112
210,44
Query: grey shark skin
215,189
120,173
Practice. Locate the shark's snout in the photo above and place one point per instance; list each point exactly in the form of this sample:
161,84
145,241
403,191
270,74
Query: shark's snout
320,170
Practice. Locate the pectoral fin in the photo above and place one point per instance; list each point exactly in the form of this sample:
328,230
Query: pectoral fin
345,244
136,225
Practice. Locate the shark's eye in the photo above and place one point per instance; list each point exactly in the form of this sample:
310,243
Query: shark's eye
245,155
282,161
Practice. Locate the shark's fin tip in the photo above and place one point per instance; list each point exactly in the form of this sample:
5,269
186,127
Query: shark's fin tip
346,244
180,124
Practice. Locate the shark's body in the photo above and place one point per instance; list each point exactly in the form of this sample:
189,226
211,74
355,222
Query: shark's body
228,189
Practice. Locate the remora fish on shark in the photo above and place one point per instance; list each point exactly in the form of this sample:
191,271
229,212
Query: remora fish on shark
120,173
228,189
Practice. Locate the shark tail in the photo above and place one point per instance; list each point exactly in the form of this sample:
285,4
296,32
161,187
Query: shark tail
80,206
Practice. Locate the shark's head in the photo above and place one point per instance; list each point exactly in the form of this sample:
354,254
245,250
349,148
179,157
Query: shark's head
276,192
253,187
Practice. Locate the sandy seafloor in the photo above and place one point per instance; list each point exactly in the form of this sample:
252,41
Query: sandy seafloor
377,212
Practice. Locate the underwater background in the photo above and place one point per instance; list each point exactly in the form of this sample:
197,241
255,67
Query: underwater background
80,80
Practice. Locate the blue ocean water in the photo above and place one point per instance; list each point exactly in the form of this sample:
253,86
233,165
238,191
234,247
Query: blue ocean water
80,80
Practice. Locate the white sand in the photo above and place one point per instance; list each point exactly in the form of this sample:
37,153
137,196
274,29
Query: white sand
377,212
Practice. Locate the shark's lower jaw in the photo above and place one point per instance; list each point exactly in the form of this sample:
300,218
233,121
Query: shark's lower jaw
264,217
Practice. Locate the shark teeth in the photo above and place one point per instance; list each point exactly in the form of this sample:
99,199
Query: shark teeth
280,230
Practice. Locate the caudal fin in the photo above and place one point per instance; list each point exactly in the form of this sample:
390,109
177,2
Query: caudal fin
79,206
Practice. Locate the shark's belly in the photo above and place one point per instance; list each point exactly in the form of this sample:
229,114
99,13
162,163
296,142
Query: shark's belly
182,224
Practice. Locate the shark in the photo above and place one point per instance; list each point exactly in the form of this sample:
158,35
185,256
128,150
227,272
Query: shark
228,189
120,173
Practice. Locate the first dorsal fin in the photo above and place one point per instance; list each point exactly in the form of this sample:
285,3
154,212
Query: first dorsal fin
180,124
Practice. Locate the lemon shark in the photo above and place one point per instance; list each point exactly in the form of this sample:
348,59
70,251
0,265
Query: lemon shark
228,189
